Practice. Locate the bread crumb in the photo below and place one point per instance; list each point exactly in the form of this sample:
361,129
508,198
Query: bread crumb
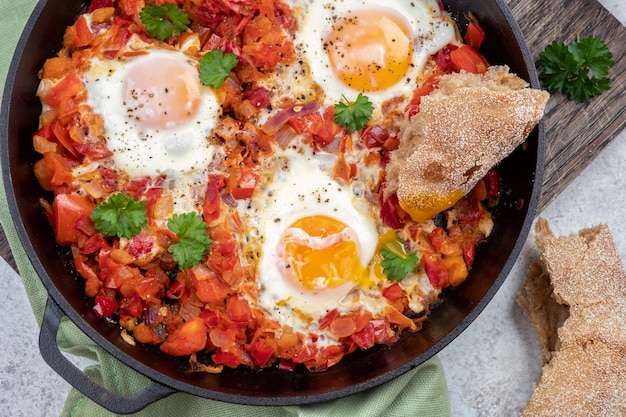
584,373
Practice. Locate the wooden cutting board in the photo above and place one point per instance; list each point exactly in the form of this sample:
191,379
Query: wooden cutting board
575,133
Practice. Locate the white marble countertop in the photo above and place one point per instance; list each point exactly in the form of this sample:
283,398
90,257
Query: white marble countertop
490,368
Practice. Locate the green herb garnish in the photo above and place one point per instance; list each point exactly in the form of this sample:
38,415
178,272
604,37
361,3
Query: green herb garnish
353,116
193,241
397,263
164,20
578,70
215,66
120,215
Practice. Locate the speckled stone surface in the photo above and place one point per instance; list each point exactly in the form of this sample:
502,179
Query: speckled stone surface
490,368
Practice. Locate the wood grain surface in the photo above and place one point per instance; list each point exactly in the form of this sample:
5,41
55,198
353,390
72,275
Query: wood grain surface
575,132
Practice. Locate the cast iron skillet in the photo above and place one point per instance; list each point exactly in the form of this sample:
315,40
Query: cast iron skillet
521,174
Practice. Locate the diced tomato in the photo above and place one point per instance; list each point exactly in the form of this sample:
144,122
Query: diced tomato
148,285
82,268
265,41
425,89
53,171
94,150
223,252
342,169
238,309
475,35
104,306
443,60
286,365
189,338
328,130
63,137
67,209
469,252
390,211
307,353
211,319
365,338
437,237
210,288
259,97
261,351
84,35
468,210
320,126
99,4
437,273
176,290
225,358
305,123
68,87
140,245
393,315
492,181
328,319
246,185
393,292
374,136
94,243
130,7
145,334
131,306
343,326
212,201
280,119
468,59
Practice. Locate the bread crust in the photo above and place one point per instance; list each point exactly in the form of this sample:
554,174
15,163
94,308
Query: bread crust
464,127
585,371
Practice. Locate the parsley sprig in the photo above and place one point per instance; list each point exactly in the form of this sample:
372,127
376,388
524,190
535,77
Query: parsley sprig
578,70
193,241
120,215
397,263
353,116
164,20
215,66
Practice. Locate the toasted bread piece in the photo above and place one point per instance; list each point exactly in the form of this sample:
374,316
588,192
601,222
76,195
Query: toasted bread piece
585,374
464,127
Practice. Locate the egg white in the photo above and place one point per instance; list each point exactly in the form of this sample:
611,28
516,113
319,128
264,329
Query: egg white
297,185
150,152
431,31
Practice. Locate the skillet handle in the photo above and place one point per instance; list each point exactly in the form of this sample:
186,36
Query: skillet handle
79,380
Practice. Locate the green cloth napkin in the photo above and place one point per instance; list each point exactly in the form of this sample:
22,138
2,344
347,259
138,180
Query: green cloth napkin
420,392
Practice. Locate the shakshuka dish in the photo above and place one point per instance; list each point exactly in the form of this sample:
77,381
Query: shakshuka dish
273,182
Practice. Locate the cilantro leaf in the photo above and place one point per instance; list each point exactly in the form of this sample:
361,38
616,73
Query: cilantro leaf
353,116
120,215
193,241
578,70
396,266
215,66
164,20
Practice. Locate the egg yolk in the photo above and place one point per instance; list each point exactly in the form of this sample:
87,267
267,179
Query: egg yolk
320,253
161,93
370,50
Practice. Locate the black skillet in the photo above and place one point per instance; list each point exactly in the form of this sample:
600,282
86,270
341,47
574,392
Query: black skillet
521,174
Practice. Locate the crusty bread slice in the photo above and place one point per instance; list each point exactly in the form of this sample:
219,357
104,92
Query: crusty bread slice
464,127
585,371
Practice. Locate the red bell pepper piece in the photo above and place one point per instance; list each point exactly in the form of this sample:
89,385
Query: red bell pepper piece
104,306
